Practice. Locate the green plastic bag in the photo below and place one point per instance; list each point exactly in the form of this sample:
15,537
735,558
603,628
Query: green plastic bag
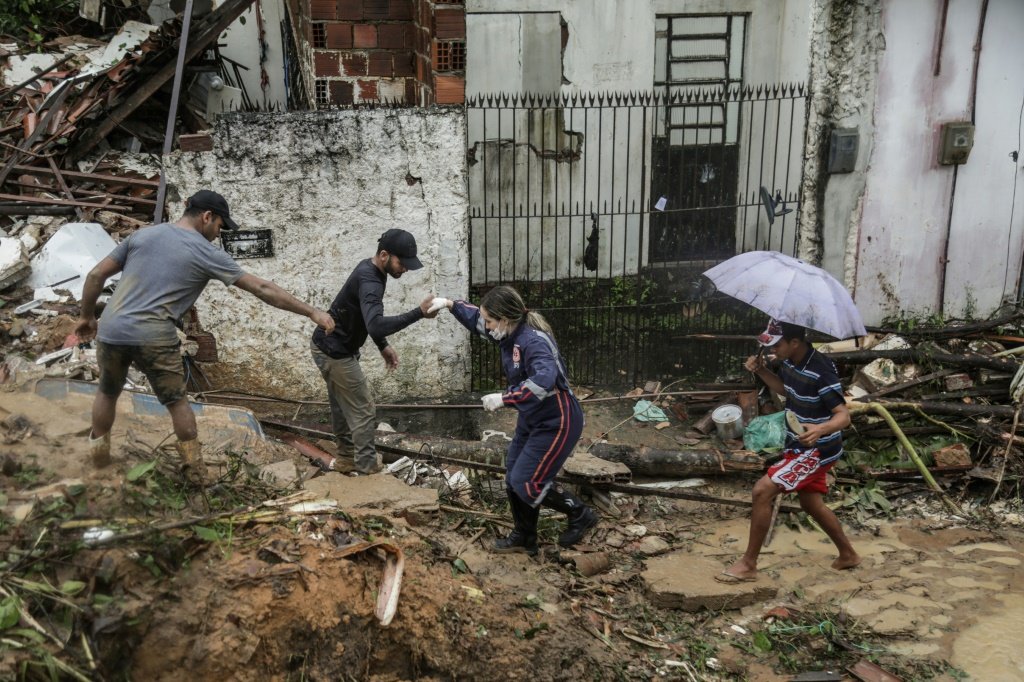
766,433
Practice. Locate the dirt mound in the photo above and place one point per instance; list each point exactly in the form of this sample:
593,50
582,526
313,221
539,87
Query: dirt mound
244,618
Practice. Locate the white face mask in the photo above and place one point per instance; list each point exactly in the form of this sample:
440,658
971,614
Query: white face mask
498,333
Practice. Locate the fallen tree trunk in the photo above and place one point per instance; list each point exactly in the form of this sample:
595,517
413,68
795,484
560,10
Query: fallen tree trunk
641,460
958,331
484,452
947,408
647,461
917,355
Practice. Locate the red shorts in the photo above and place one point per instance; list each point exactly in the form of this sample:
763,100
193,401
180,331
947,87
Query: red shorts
800,470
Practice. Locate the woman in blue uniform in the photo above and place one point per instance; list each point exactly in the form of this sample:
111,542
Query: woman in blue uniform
550,417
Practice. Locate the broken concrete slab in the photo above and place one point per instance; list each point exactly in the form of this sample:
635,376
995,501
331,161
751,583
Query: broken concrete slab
585,465
651,545
683,581
14,263
370,494
280,474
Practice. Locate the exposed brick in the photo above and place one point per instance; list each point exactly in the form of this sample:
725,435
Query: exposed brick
367,90
341,92
404,64
325,63
200,142
350,10
339,36
380,64
391,36
426,14
323,9
376,10
365,35
450,89
410,91
400,10
422,68
449,24
354,64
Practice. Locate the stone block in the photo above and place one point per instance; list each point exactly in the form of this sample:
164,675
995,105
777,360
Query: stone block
683,581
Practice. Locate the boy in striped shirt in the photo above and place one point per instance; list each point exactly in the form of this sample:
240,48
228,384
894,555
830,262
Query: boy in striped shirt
816,414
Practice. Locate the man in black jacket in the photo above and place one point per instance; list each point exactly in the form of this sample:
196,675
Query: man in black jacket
358,312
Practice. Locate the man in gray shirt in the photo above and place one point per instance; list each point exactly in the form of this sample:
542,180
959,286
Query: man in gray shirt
164,270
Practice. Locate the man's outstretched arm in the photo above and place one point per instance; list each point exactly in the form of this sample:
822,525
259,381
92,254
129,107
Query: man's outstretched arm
270,293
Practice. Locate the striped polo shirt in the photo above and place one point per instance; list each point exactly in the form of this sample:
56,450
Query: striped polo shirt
812,392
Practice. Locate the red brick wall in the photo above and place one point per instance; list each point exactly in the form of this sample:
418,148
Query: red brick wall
362,50
441,33
409,50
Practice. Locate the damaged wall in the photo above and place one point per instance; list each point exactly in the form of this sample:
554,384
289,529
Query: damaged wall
327,184
941,238
848,37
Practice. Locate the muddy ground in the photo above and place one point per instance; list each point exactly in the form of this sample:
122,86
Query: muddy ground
257,593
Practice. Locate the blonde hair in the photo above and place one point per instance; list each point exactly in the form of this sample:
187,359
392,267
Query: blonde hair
504,302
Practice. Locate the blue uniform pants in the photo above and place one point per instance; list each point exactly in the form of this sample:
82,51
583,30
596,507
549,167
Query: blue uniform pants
541,445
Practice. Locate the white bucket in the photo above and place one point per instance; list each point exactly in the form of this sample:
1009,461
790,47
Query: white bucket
728,421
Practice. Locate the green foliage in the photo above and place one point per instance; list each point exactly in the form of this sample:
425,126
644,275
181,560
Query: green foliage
826,636
140,470
31,19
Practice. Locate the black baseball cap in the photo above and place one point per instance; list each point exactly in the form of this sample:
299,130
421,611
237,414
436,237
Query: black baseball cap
401,244
211,201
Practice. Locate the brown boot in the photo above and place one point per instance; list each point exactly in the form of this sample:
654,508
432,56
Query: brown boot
99,450
192,465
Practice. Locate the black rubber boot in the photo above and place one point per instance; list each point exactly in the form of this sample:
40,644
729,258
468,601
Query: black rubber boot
581,517
524,537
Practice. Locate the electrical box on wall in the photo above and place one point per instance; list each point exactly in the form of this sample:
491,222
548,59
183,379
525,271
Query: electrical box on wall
842,150
957,141
248,243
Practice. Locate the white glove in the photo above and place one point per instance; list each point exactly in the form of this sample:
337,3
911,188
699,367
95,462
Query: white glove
492,401
437,304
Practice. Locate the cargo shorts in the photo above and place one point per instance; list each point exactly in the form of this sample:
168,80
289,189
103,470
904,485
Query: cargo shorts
161,364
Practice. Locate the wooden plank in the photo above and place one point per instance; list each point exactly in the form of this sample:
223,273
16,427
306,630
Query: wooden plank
82,194
96,177
61,202
63,185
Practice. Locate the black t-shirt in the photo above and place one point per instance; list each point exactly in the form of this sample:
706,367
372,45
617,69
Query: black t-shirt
358,312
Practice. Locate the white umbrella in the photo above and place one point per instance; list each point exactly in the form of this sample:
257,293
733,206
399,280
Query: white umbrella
789,290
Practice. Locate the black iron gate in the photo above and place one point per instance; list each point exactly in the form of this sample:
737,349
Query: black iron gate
603,211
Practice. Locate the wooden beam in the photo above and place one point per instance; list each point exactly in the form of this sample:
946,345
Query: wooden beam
62,202
95,177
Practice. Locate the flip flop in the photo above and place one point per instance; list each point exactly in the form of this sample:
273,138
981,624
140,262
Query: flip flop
727,578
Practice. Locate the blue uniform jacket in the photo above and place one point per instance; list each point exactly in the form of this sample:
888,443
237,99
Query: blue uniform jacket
532,364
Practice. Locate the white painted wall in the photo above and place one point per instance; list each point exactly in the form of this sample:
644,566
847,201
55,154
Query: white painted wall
241,42
514,47
328,184
987,230
906,208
